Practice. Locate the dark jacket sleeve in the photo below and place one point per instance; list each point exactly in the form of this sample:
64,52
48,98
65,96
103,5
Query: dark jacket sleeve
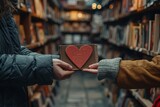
25,70
25,51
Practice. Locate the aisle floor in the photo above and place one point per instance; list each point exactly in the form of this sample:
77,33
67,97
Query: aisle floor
81,90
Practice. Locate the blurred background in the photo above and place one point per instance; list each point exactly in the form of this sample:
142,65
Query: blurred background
129,29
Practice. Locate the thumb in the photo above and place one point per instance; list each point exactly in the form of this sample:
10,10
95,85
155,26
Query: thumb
68,73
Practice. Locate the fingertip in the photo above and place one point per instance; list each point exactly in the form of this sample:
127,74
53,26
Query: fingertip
84,70
70,66
70,72
90,66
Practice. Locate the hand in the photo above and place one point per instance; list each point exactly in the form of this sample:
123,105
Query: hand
62,70
92,68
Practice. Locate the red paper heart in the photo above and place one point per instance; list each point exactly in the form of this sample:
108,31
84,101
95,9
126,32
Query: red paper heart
79,56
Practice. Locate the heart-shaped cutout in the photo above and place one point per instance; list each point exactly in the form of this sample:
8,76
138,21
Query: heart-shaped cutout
79,56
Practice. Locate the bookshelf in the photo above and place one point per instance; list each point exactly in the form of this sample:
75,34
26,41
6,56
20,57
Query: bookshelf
76,27
26,15
131,31
129,16
38,23
143,101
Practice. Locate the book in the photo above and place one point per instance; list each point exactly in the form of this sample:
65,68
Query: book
36,100
156,32
40,32
151,35
22,34
39,10
33,33
68,39
21,4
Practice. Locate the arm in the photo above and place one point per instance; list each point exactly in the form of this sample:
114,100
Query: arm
25,70
131,74
25,51
143,73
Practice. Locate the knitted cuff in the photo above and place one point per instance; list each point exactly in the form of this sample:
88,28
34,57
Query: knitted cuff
108,68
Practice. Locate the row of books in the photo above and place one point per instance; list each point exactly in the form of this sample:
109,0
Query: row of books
121,8
144,34
121,97
42,96
139,32
39,8
72,4
51,29
76,16
75,39
96,24
34,6
38,31
75,27
53,12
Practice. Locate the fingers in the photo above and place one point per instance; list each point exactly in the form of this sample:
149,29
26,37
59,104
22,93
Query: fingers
62,74
68,72
93,71
94,66
64,65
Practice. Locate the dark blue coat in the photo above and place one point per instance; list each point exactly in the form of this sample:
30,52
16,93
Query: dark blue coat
19,67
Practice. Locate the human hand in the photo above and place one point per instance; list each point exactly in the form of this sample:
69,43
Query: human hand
62,70
92,68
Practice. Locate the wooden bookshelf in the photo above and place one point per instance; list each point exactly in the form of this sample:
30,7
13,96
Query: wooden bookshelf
106,3
95,33
78,25
23,10
54,3
40,45
81,33
133,14
78,21
54,21
40,34
75,8
36,18
119,37
138,18
143,101
138,50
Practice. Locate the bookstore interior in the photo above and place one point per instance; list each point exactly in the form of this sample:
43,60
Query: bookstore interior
126,29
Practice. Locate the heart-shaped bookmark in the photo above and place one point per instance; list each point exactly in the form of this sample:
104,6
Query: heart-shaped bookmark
79,56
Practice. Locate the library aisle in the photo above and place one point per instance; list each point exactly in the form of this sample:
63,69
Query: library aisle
81,90
104,29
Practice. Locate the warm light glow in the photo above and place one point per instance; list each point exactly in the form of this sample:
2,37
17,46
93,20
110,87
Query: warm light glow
80,15
111,6
94,6
99,6
73,15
